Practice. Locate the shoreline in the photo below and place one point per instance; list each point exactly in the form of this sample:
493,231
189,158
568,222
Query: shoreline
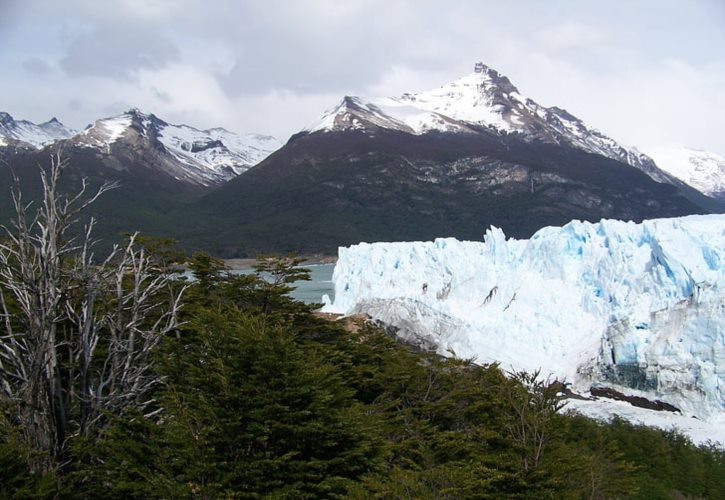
309,260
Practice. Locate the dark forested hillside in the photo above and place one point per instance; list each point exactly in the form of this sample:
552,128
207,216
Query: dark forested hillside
143,201
327,189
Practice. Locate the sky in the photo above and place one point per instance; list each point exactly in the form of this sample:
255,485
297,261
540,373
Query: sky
648,73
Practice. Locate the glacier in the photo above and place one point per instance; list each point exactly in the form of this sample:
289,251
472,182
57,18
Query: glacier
639,308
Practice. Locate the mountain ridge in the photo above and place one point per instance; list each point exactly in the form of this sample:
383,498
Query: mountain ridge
321,191
37,135
207,157
448,162
484,98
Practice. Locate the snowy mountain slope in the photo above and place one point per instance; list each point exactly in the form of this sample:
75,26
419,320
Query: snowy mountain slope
37,135
217,149
206,157
703,170
355,113
638,307
486,99
104,132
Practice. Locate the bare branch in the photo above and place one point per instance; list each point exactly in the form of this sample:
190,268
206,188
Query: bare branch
60,308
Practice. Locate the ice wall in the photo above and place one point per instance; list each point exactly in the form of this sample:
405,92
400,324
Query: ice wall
635,306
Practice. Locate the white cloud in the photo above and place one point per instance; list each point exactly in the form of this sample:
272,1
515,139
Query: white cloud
644,74
570,35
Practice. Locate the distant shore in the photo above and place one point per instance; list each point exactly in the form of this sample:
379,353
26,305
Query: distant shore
309,260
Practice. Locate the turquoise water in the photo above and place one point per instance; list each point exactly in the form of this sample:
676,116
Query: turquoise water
311,291
320,284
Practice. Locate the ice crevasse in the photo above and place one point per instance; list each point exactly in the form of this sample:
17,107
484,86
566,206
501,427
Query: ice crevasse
636,307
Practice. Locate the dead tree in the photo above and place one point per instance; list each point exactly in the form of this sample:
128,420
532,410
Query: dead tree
77,333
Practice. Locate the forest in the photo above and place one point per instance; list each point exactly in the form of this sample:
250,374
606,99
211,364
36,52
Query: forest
120,377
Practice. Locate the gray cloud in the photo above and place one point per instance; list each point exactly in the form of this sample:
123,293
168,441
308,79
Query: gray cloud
161,95
274,66
118,52
75,104
308,47
8,12
37,67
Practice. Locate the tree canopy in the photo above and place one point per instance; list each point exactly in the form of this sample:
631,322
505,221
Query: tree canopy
224,386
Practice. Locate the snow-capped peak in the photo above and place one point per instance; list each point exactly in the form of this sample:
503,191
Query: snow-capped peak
703,170
205,157
356,113
105,131
36,135
208,156
482,100
483,97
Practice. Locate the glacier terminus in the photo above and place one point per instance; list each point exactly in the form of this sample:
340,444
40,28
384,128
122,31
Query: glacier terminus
637,308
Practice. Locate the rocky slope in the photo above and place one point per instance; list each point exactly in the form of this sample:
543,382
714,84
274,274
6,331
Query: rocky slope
449,162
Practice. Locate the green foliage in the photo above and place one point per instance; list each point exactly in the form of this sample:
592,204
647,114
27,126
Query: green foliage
207,272
532,404
669,463
125,462
263,398
164,254
17,479
256,412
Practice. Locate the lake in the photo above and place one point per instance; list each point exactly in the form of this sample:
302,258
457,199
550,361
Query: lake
320,284
308,291
311,291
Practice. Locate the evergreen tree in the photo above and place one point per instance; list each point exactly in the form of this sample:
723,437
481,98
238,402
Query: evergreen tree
250,411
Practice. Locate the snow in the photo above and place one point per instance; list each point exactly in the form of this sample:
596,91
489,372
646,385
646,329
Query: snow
701,432
106,131
115,127
216,150
588,303
703,170
467,99
481,99
450,108
36,135
207,157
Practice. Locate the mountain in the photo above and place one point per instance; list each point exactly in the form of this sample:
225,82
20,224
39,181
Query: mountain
637,308
449,162
36,135
201,157
160,167
703,170
484,99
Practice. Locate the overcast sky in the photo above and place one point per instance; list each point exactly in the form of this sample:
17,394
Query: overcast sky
645,72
